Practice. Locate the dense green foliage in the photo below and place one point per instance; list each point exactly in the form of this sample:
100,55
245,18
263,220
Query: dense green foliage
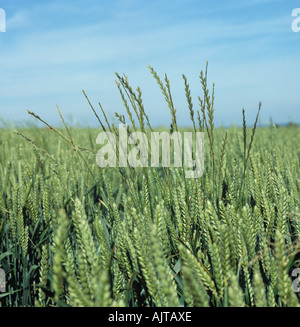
74,234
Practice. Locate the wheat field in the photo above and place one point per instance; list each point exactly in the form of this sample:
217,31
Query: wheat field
75,234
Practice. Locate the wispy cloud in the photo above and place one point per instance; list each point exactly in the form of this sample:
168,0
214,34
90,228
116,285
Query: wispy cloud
18,21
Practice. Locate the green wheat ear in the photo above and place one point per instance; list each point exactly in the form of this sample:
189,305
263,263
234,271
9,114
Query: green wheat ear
166,91
235,293
247,151
60,238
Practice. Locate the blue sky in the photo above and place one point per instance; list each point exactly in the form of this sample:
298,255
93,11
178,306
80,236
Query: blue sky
53,49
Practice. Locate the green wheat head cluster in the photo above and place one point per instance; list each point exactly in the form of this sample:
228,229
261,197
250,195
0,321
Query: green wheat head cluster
74,234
